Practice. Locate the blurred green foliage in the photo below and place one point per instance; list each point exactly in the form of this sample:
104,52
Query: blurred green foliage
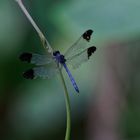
36,109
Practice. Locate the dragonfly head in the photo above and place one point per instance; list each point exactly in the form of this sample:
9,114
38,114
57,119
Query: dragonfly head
55,53
59,57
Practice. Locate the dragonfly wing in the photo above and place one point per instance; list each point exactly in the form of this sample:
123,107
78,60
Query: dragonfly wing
80,45
76,60
36,59
41,72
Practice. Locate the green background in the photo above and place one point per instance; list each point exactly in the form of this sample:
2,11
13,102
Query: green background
35,109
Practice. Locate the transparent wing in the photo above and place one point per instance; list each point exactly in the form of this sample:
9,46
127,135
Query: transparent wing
76,60
44,73
41,72
41,59
36,59
80,45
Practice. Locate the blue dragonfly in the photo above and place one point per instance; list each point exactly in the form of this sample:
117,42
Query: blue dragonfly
48,65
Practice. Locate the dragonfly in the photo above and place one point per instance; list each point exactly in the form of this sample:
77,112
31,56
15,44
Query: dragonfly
47,65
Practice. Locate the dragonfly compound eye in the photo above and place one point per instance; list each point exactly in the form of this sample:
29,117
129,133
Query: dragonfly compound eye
55,53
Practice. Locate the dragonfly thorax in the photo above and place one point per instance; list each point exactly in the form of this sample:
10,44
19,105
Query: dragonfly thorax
59,57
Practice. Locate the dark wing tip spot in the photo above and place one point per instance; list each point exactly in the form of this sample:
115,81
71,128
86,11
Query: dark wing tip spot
26,57
29,74
90,51
87,35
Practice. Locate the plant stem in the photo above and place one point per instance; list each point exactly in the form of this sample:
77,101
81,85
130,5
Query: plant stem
44,41
67,101
47,47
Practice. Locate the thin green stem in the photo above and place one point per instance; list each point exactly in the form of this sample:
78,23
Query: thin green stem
47,47
67,101
44,41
